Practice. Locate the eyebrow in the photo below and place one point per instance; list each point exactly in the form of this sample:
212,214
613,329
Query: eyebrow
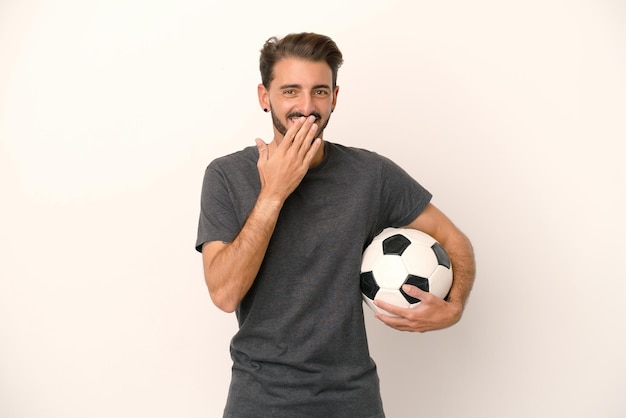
299,86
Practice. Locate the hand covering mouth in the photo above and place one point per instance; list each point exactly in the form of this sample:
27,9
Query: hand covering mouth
295,116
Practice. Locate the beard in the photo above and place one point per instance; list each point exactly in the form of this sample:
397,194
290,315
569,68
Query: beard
283,129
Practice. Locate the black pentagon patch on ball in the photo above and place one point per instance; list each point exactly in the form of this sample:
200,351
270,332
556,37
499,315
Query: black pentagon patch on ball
420,282
368,285
395,245
441,254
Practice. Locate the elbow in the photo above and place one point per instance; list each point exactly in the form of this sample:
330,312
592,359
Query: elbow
225,306
223,302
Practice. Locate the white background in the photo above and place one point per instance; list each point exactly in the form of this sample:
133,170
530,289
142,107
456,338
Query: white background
512,113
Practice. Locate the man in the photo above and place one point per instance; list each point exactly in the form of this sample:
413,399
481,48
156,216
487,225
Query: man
282,229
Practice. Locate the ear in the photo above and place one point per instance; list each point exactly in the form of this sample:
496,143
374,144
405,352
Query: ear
264,97
335,93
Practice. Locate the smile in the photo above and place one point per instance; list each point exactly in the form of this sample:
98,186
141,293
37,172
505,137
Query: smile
295,118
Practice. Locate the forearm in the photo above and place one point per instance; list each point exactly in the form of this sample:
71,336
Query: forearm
437,314
461,255
231,269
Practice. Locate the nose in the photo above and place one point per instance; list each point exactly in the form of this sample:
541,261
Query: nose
306,105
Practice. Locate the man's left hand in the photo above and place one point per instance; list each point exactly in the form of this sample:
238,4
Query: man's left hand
432,313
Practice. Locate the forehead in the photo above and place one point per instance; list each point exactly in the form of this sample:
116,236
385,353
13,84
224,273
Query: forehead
302,72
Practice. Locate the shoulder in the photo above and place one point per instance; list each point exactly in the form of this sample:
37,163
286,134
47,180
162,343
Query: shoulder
235,174
349,150
369,160
355,154
238,161
233,170
245,156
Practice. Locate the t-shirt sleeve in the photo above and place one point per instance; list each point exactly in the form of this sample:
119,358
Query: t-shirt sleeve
403,198
218,219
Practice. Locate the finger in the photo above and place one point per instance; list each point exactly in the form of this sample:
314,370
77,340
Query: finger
263,149
415,292
308,140
305,132
390,308
312,151
398,323
291,133
405,319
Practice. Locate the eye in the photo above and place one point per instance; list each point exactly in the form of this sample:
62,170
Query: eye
320,92
289,92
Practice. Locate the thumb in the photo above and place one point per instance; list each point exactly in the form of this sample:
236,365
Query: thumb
262,147
414,291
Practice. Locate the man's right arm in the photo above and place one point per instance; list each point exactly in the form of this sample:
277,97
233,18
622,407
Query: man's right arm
231,268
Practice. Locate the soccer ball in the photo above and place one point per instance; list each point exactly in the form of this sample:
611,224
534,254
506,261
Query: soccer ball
399,256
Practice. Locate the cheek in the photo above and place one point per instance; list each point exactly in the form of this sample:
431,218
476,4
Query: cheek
281,107
327,104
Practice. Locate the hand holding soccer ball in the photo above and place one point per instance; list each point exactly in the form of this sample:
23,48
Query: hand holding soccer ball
400,256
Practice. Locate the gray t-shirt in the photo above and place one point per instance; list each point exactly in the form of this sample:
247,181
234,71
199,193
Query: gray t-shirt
301,349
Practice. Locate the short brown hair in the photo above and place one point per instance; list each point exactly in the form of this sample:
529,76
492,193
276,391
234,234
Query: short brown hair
306,45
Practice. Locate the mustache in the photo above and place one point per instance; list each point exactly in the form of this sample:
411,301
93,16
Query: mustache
298,114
